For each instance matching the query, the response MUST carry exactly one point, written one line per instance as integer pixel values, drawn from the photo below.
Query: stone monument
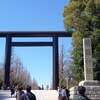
(87, 53)
(92, 86)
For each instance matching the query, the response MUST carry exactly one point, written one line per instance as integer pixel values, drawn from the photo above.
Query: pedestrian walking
(81, 95)
(67, 94)
(12, 90)
(59, 93)
(20, 95)
(30, 95)
(63, 93)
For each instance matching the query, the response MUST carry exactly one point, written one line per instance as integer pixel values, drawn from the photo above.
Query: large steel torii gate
(54, 44)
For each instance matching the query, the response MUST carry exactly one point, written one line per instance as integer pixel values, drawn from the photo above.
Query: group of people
(64, 94)
(21, 95)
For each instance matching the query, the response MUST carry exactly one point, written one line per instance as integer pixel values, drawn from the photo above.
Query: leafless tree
(34, 85)
(65, 72)
(18, 74)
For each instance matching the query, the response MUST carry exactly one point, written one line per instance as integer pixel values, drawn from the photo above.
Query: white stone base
(92, 90)
(89, 83)
(73, 93)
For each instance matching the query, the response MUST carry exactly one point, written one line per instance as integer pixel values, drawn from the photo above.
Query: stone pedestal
(73, 93)
(92, 90)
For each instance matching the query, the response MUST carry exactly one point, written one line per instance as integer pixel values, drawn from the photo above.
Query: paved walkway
(40, 95)
(5, 95)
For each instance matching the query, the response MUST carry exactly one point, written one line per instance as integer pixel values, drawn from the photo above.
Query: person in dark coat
(67, 94)
(81, 91)
(12, 91)
(30, 95)
(20, 95)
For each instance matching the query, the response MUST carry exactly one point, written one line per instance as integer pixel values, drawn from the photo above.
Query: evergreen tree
(83, 16)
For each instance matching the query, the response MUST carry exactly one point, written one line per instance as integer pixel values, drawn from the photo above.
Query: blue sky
(33, 15)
